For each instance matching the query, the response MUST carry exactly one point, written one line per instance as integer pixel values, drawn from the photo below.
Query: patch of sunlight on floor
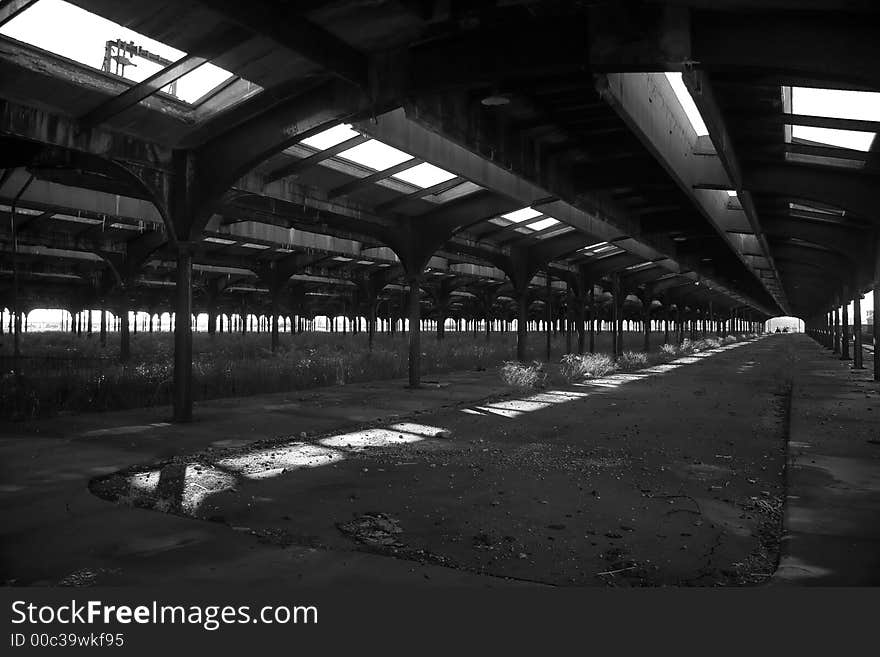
(370, 438)
(498, 411)
(660, 369)
(520, 405)
(144, 482)
(273, 461)
(199, 482)
(418, 429)
(557, 396)
(599, 383)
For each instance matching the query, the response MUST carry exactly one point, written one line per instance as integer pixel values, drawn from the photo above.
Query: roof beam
(288, 27)
(699, 85)
(752, 120)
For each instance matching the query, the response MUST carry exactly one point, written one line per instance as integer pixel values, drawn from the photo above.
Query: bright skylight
(77, 34)
(839, 104)
(544, 223)
(731, 192)
(424, 175)
(522, 215)
(836, 103)
(330, 137)
(687, 104)
(852, 139)
(375, 155)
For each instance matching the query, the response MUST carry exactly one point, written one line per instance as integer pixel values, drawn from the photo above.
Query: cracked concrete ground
(671, 476)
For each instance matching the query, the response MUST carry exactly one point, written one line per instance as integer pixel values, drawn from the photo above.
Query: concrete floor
(670, 476)
(833, 511)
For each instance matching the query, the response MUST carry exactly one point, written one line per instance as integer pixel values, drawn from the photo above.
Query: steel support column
(415, 320)
(522, 320)
(183, 398)
(857, 331)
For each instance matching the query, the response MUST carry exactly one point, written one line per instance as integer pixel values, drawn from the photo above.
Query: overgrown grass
(577, 367)
(525, 376)
(632, 360)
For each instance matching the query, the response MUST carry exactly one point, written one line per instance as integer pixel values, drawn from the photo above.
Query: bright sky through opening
(523, 214)
(838, 104)
(375, 155)
(687, 103)
(71, 32)
(330, 137)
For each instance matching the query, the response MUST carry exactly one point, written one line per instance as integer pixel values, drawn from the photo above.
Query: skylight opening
(424, 175)
(687, 104)
(523, 214)
(218, 240)
(69, 31)
(375, 155)
(342, 259)
(259, 247)
(851, 139)
(543, 223)
(837, 104)
(731, 192)
(331, 137)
